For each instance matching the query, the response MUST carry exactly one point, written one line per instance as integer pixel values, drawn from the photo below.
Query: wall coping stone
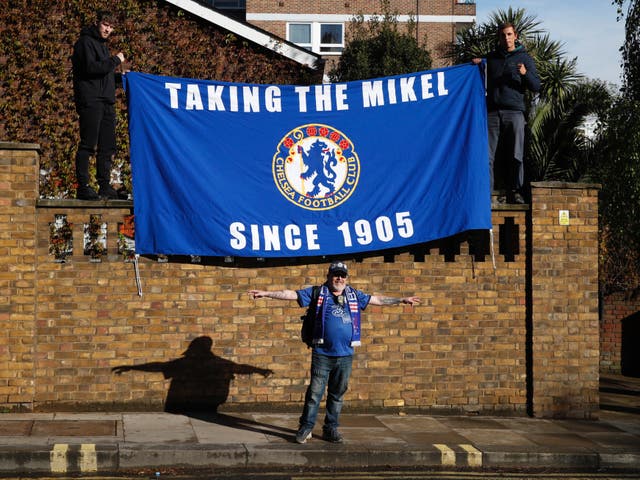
(573, 185)
(19, 146)
(74, 203)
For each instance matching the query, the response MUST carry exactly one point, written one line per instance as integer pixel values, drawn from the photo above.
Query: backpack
(308, 319)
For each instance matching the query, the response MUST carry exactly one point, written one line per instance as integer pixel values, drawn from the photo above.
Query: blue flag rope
(229, 169)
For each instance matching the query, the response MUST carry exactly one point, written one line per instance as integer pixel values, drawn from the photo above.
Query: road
(351, 475)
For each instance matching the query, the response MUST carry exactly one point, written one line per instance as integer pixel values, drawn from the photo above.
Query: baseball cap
(338, 267)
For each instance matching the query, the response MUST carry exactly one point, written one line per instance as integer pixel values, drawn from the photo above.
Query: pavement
(88, 444)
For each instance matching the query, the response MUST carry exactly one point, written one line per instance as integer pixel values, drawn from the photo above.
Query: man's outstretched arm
(277, 294)
(384, 300)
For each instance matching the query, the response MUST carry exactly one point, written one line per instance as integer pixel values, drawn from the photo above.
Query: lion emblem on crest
(316, 167)
(320, 162)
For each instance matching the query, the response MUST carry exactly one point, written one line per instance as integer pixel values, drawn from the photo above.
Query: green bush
(378, 48)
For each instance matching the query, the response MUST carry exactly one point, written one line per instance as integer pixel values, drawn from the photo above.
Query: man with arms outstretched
(336, 331)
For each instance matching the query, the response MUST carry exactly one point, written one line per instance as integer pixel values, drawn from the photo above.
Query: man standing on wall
(94, 89)
(510, 73)
(336, 331)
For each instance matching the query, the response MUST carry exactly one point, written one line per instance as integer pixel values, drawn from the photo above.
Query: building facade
(323, 27)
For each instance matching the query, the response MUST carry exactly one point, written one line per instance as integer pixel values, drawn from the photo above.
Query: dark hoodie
(93, 69)
(505, 86)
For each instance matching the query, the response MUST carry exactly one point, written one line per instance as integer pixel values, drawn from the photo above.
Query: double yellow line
(448, 455)
(87, 460)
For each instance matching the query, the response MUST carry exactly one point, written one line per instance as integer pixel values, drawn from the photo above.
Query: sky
(587, 28)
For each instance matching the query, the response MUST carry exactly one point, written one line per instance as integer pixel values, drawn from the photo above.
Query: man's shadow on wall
(200, 383)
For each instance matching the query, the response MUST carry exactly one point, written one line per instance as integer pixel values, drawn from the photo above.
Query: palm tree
(558, 148)
(478, 40)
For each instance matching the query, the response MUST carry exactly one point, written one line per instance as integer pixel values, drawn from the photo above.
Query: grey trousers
(506, 127)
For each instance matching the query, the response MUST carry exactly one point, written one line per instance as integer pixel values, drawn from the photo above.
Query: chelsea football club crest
(316, 167)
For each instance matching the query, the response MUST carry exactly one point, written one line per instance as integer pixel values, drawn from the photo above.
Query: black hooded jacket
(94, 79)
(505, 86)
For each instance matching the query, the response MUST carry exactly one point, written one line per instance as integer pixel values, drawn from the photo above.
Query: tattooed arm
(383, 300)
(277, 294)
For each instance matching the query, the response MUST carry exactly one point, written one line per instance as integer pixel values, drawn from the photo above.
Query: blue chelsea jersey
(337, 322)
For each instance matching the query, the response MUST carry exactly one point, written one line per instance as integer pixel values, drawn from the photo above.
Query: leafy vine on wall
(95, 238)
(60, 238)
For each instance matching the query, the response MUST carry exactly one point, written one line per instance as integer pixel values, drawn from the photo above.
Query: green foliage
(477, 41)
(558, 149)
(618, 170)
(36, 92)
(631, 48)
(616, 165)
(377, 48)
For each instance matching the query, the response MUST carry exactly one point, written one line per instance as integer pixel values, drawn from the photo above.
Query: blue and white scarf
(354, 311)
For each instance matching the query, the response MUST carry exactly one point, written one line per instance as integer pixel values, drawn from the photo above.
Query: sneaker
(108, 193)
(332, 435)
(87, 193)
(303, 434)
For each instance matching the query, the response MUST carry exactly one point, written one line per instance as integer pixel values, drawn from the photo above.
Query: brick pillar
(564, 330)
(18, 193)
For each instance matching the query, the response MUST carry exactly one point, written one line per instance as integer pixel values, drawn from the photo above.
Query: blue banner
(227, 169)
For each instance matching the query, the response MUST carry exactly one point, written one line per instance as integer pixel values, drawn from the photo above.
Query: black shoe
(123, 194)
(108, 193)
(517, 198)
(86, 193)
(332, 435)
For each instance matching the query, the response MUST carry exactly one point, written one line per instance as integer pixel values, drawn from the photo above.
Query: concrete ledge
(555, 460)
(622, 461)
(572, 185)
(19, 146)
(24, 459)
(73, 203)
(121, 458)
(192, 455)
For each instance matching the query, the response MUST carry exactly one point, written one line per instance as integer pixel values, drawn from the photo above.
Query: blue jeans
(326, 372)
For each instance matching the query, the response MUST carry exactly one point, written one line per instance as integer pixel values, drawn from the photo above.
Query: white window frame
(316, 44)
(308, 46)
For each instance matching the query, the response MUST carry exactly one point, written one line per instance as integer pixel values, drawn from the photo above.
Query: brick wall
(621, 314)
(467, 348)
(402, 7)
